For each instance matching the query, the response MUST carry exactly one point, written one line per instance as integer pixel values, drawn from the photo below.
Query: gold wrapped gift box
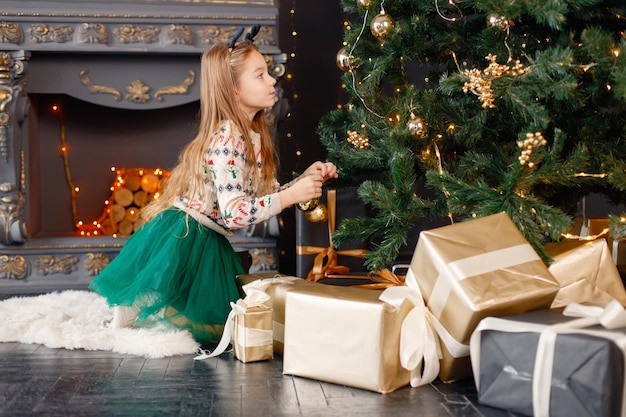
(276, 287)
(252, 335)
(585, 272)
(475, 269)
(249, 328)
(345, 336)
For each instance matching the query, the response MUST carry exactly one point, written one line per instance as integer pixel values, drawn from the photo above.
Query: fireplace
(90, 86)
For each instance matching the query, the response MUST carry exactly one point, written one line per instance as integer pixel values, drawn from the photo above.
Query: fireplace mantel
(120, 54)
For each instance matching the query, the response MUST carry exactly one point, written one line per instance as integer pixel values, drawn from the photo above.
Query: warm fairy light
(584, 174)
(76, 189)
(298, 153)
(63, 149)
(106, 224)
(572, 236)
(616, 52)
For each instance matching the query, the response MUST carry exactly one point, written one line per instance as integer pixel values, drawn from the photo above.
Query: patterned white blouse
(230, 197)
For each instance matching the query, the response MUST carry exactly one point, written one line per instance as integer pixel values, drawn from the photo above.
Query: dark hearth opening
(97, 139)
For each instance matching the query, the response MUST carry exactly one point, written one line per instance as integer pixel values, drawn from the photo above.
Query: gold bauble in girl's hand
(318, 215)
(417, 126)
(381, 25)
(308, 205)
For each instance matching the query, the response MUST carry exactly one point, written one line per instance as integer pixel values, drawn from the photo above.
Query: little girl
(179, 266)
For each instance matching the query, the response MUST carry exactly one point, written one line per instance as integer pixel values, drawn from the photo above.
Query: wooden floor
(39, 381)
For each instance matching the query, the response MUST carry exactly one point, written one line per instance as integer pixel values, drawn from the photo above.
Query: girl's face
(255, 87)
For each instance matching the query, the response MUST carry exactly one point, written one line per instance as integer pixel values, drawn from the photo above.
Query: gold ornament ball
(309, 205)
(417, 126)
(318, 215)
(364, 3)
(344, 60)
(381, 25)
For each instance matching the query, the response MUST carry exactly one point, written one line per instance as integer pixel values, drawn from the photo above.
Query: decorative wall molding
(134, 25)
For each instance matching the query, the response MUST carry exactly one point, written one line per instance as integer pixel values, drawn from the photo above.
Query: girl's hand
(306, 188)
(327, 170)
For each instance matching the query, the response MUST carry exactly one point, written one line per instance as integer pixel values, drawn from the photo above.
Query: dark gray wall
(317, 82)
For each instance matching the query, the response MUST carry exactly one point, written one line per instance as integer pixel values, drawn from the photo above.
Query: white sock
(123, 316)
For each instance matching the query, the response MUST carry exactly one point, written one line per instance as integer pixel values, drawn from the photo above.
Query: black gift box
(587, 371)
(315, 237)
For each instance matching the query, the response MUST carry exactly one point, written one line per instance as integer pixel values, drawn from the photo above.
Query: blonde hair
(219, 74)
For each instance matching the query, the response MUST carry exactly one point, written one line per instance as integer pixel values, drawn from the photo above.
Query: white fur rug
(78, 320)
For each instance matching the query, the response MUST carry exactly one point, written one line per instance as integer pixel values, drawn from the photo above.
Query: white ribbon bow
(418, 342)
(254, 298)
(454, 347)
(263, 284)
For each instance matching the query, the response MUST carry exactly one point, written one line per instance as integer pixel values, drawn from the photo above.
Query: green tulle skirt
(177, 271)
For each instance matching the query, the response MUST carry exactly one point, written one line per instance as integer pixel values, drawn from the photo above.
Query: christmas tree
(464, 108)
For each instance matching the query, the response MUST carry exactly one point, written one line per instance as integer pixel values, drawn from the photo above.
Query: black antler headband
(254, 30)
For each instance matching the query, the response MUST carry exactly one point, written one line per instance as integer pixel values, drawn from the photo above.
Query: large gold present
(369, 339)
(585, 272)
(276, 287)
(475, 269)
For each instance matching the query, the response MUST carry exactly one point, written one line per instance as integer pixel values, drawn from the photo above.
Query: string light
(66, 165)
(141, 186)
(584, 174)
(352, 73)
(572, 236)
(450, 3)
(292, 55)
